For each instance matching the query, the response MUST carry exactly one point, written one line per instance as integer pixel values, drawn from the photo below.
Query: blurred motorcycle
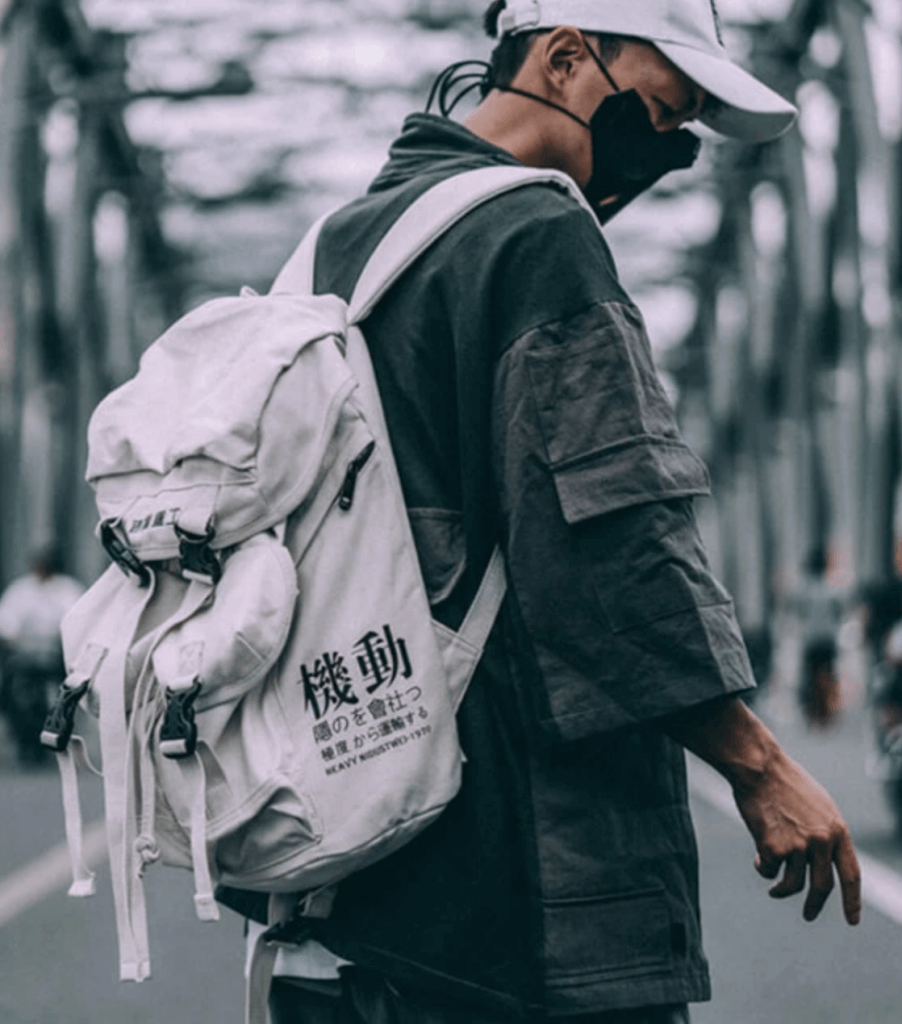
(886, 702)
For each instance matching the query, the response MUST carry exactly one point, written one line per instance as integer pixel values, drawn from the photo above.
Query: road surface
(58, 955)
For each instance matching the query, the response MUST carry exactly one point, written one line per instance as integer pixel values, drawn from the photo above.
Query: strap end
(83, 887)
(206, 908)
(138, 970)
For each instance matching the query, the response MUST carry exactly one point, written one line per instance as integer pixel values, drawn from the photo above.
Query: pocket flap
(232, 643)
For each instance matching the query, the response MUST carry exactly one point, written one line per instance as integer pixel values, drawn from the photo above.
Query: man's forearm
(792, 819)
(729, 736)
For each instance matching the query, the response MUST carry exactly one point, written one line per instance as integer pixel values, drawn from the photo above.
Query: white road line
(881, 886)
(47, 874)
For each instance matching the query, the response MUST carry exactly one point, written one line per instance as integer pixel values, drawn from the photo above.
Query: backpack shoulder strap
(296, 275)
(430, 216)
(421, 224)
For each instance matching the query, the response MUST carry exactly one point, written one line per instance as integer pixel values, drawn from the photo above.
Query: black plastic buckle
(60, 721)
(314, 905)
(123, 555)
(294, 931)
(197, 559)
(178, 733)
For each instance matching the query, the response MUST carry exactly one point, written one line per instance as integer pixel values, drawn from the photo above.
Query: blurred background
(155, 153)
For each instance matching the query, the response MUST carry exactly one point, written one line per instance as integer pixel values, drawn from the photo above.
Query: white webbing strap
(480, 617)
(263, 960)
(134, 965)
(69, 760)
(191, 766)
(424, 221)
(141, 850)
(143, 846)
(296, 276)
(427, 219)
(462, 651)
(192, 769)
(74, 755)
(259, 980)
(142, 715)
(421, 224)
(120, 749)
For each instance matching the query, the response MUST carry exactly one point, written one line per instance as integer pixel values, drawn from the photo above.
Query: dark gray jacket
(523, 407)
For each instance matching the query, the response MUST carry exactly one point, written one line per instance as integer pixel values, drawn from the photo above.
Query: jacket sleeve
(611, 583)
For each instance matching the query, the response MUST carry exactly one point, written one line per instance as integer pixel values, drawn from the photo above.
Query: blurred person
(31, 610)
(522, 403)
(820, 608)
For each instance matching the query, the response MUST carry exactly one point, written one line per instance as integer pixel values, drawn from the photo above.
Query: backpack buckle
(60, 721)
(197, 560)
(294, 931)
(178, 733)
(122, 554)
(316, 904)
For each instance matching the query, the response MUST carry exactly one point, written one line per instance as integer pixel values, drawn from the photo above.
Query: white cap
(685, 31)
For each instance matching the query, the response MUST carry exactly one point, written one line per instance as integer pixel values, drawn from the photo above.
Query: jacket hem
(435, 982)
(602, 996)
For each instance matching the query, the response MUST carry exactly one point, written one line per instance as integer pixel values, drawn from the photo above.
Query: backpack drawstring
(115, 741)
(129, 778)
(146, 847)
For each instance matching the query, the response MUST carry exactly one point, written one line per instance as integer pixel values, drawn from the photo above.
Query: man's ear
(563, 52)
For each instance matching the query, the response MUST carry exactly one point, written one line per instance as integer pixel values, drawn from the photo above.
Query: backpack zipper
(346, 494)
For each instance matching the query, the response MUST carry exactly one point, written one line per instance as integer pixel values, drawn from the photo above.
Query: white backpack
(276, 703)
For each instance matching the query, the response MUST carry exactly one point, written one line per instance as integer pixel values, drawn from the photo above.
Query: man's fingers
(819, 870)
(849, 879)
(821, 883)
(793, 879)
(768, 867)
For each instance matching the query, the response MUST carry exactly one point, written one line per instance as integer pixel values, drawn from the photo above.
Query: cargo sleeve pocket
(609, 431)
(620, 936)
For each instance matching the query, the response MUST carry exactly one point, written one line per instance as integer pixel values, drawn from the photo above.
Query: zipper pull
(346, 494)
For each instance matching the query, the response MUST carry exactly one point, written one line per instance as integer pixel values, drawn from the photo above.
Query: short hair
(510, 54)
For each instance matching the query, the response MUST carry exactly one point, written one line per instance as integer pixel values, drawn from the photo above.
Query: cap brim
(750, 110)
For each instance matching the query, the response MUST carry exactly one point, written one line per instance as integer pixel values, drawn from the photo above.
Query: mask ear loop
(549, 103)
(541, 99)
(601, 64)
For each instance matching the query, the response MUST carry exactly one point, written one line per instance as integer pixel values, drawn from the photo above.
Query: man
(819, 608)
(31, 610)
(523, 406)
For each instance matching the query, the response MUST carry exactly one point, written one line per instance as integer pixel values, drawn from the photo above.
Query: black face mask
(628, 155)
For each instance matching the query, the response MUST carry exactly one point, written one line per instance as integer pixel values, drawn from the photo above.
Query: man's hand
(793, 820)
(797, 826)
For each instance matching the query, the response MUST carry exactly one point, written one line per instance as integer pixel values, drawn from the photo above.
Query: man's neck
(508, 121)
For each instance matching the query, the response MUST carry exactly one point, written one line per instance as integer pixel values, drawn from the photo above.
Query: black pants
(362, 997)
(25, 701)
